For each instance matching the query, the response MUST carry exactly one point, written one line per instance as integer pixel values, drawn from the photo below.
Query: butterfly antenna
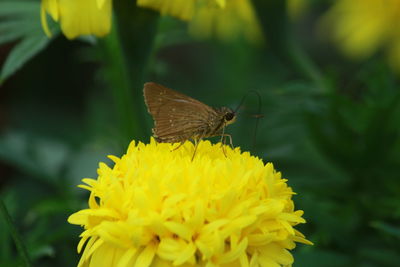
(258, 115)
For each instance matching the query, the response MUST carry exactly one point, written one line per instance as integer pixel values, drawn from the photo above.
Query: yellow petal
(182, 9)
(51, 7)
(128, 258)
(95, 20)
(146, 256)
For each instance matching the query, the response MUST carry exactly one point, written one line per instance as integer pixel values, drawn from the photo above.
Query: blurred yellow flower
(78, 17)
(296, 7)
(157, 207)
(221, 18)
(361, 27)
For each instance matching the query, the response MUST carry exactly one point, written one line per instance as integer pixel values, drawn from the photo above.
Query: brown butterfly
(178, 117)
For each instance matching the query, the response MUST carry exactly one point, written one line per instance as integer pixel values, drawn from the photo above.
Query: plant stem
(14, 233)
(276, 27)
(135, 31)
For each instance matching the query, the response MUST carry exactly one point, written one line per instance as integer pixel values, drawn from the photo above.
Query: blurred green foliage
(332, 127)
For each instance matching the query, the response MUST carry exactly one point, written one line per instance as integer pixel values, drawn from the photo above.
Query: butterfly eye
(229, 116)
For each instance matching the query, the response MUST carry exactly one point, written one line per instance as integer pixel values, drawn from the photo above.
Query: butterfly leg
(181, 143)
(223, 142)
(230, 139)
(223, 139)
(196, 144)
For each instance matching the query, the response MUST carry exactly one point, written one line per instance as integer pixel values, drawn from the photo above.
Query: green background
(330, 125)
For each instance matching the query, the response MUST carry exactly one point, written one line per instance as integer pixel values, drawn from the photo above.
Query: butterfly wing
(177, 117)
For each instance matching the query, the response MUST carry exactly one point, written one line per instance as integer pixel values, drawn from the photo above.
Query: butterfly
(178, 117)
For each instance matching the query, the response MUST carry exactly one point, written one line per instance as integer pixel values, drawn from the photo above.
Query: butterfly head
(229, 115)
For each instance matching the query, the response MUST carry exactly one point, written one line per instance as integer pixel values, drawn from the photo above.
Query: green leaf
(9, 34)
(20, 21)
(21, 53)
(387, 228)
(19, 8)
(41, 158)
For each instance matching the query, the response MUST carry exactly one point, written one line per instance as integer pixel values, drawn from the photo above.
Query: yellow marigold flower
(224, 19)
(157, 207)
(78, 17)
(360, 27)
